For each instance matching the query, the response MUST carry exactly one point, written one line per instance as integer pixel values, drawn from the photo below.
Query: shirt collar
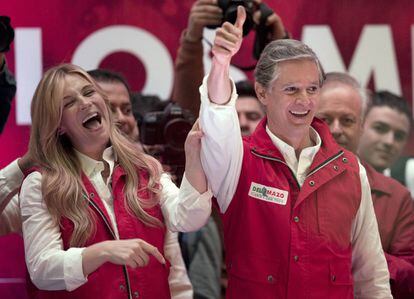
(288, 151)
(90, 166)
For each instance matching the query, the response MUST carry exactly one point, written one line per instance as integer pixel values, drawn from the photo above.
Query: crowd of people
(286, 191)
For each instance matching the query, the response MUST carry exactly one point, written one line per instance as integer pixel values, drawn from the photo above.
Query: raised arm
(221, 145)
(226, 44)
(189, 67)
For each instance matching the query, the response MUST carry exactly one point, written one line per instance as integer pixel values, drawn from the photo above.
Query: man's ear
(261, 93)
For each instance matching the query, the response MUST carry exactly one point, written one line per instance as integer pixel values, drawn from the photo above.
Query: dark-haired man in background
(386, 132)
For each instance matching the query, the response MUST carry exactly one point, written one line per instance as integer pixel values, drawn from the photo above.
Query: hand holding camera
(213, 13)
(204, 13)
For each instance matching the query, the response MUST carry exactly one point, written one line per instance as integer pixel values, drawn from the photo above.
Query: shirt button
(295, 258)
(311, 183)
(136, 294)
(296, 219)
(270, 279)
(121, 287)
(345, 160)
(92, 195)
(335, 167)
(333, 277)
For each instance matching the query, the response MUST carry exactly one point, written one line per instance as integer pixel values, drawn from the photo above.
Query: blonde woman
(95, 210)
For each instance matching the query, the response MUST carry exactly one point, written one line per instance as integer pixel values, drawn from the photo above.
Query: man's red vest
(112, 281)
(287, 241)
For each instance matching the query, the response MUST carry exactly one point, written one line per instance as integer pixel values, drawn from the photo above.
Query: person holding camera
(297, 213)
(189, 67)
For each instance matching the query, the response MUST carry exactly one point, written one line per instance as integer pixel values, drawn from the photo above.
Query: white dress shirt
(222, 156)
(52, 268)
(10, 179)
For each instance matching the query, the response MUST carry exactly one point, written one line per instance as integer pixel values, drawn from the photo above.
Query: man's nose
(336, 127)
(118, 116)
(388, 138)
(303, 97)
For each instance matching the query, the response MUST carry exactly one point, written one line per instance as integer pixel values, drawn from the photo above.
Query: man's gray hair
(281, 50)
(346, 79)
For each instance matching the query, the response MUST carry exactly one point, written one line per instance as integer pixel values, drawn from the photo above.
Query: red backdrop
(64, 25)
(356, 35)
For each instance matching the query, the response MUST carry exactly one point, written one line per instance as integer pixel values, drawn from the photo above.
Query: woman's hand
(131, 252)
(193, 168)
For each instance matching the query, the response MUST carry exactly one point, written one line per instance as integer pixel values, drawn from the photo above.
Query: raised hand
(273, 22)
(229, 38)
(226, 43)
(193, 141)
(193, 169)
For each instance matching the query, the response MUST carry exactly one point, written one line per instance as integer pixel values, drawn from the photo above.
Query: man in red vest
(297, 212)
(343, 106)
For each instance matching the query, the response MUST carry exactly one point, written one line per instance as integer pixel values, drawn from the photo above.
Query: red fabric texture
(301, 249)
(110, 281)
(394, 209)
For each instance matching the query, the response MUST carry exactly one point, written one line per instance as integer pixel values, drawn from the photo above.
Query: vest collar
(261, 143)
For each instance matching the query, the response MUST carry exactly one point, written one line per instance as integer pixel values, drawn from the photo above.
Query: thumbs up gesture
(229, 38)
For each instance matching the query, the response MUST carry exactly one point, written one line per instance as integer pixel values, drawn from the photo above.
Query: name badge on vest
(269, 194)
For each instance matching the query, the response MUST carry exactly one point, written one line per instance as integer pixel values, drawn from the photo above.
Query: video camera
(164, 131)
(169, 127)
(6, 34)
(229, 8)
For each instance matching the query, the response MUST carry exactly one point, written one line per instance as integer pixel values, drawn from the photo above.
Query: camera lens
(175, 133)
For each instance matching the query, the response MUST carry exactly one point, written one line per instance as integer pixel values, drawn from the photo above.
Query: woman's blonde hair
(62, 187)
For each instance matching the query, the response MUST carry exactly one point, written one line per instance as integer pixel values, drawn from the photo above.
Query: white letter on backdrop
(28, 68)
(374, 54)
(138, 42)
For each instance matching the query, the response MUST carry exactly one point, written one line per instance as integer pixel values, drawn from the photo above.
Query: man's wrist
(191, 38)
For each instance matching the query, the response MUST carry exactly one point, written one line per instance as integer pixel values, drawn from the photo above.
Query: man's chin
(381, 164)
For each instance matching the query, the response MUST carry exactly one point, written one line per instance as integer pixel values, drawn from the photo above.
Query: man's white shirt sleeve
(221, 146)
(369, 267)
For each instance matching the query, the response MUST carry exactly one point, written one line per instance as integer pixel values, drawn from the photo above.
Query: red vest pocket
(340, 272)
(254, 268)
